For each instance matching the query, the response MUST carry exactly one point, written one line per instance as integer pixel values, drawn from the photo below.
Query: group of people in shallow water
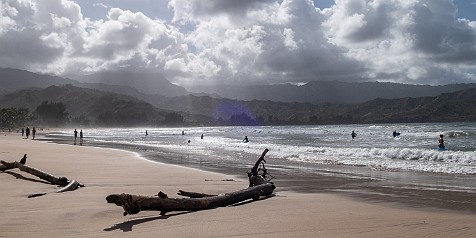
(245, 140)
(441, 142)
(26, 132)
(76, 136)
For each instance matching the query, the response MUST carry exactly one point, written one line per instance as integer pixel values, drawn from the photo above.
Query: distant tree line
(173, 118)
(244, 119)
(14, 117)
(55, 114)
(52, 113)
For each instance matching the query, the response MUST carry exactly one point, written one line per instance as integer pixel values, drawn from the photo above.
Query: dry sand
(85, 213)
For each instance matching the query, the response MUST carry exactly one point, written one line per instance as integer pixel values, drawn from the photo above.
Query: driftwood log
(60, 181)
(254, 176)
(133, 204)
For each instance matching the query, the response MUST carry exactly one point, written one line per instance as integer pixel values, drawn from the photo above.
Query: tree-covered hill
(99, 107)
(447, 107)
(105, 108)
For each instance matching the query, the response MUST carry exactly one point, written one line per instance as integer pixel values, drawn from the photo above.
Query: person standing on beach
(33, 132)
(353, 135)
(27, 132)
(81, 136)
(22, 131)
(75, 135)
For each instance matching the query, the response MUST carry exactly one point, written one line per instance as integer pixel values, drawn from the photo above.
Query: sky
(214, 42)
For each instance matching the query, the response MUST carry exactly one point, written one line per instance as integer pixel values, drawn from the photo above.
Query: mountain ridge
(205, 110)
(334, 91)
(316, 92)
(144, 82)
(201, 109)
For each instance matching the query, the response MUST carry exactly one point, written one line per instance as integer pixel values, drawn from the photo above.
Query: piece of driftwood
(72, 185)
(259, 186)
(7, 166)
(259, 174)
(61, 181)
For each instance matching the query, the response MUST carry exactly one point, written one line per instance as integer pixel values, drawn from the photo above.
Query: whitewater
(309, 146)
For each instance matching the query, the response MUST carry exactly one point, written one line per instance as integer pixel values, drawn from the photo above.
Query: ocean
(321, 157)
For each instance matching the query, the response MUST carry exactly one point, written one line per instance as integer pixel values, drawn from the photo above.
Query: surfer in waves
(441, 142)
(246, 139)
(395, 134)
(353, 135)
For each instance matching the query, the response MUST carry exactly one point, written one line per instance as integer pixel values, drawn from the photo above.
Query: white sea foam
(374, 147)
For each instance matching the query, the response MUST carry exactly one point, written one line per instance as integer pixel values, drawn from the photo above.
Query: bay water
(318, 157)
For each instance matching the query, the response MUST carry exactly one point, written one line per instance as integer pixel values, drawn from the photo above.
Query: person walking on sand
(75, 135)
(353, 135)
(22, 131)
(27, 132)
(33, 132)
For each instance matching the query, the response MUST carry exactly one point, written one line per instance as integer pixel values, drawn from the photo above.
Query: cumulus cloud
(249, 41)
(197, 10)
(276, 43)
(54, 37)
(22, 42)
(406, 41)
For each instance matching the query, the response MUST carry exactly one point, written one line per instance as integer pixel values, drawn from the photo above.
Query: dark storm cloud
(443, 38)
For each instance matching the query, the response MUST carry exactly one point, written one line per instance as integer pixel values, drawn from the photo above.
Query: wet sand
(85, 213)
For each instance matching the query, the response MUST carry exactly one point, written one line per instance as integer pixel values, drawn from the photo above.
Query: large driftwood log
(259, 186)
(61, 181)
(133, 204)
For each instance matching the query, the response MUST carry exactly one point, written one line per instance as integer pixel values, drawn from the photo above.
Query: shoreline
(366, 185)
(85, 213)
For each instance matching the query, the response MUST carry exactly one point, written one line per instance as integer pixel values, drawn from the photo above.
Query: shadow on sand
(127, 225)
(19, 176)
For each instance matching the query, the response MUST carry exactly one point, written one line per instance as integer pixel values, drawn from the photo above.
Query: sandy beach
(85, 213)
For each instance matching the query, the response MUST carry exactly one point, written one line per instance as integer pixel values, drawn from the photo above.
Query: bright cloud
(249, 41)
(406, 41)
